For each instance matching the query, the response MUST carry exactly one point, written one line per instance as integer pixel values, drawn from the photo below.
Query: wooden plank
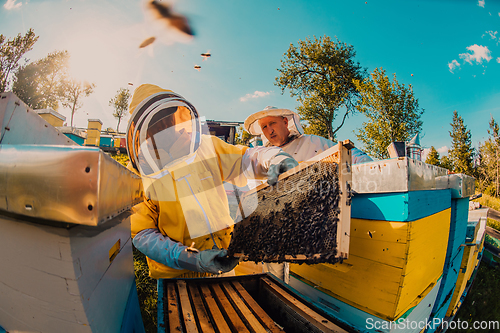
(203, 317)
(245, 311)
(255, 307)
(187, 311)
(173, 310)
(312, 316)
(233, 317)
(218, 318)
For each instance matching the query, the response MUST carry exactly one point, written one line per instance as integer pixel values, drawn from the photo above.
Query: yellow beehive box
(384, 274)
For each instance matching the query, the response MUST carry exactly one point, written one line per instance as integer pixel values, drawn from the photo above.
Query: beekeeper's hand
(207, 261)
(280, 163)
(162, 249)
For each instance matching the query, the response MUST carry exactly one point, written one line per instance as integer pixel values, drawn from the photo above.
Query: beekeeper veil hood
(252, 122)
(164, 128)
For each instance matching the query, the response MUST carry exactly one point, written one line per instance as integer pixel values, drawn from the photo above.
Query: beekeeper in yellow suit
(183, 226)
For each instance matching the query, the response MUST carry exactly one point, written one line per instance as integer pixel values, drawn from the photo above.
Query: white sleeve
(256, 161)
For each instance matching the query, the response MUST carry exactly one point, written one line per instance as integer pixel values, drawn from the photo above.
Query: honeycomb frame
(289, 224)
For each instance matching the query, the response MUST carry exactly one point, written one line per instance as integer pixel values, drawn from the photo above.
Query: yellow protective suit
(184, 195)
(198, 187)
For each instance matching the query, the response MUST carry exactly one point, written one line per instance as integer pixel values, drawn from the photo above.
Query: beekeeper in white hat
(281, 128)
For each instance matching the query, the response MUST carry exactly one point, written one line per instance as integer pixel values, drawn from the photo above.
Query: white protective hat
(252, 125)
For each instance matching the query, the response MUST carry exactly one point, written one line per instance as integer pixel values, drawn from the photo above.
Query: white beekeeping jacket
(303, 146)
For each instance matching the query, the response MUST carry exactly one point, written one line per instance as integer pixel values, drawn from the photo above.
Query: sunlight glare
(91, 58)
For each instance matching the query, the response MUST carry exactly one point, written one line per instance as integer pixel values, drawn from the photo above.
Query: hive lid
(71, 184)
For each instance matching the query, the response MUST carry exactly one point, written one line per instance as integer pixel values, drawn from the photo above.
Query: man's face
(275, 129)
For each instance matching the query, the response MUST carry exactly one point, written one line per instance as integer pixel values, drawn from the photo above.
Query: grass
(120, 158)
(483, 300)
(493, 224)
(146, 291)
(489, 201)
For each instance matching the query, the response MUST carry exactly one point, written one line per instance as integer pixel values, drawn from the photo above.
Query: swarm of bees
(163, 15)
(295, 223)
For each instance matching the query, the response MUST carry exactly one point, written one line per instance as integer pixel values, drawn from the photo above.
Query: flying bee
(206, 55)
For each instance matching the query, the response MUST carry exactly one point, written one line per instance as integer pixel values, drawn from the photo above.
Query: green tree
(25, 85)
(488, 168)
(461, 153)
(39, 84)
(316, 128)
(495, 139)
(245, 137)
(433, 157)
(11, 51)
(321, 74)
(446, 163)
(392, 110)
(72, 92)
(120, 104)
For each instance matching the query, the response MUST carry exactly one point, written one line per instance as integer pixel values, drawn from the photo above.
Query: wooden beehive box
(237, 304)
(304, 218)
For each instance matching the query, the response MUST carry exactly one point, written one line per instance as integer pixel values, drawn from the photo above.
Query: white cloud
(480, 3)
(442, 151)
(493, 34)
(498, 60)
(11, 4)
(256, 94)
(425, 153)
(479, 53)
(452, 65)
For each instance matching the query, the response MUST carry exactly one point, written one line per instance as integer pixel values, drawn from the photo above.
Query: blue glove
(208, 261)
(281, 167)
(173, 254)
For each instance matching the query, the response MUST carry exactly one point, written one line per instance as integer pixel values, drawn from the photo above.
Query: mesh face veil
(164, 128)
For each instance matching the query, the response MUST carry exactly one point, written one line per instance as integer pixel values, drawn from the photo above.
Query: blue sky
(449, 51)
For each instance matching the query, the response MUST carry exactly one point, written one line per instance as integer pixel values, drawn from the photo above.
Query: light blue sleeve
(158, 247)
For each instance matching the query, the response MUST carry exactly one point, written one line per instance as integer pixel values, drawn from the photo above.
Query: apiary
(304, 218)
